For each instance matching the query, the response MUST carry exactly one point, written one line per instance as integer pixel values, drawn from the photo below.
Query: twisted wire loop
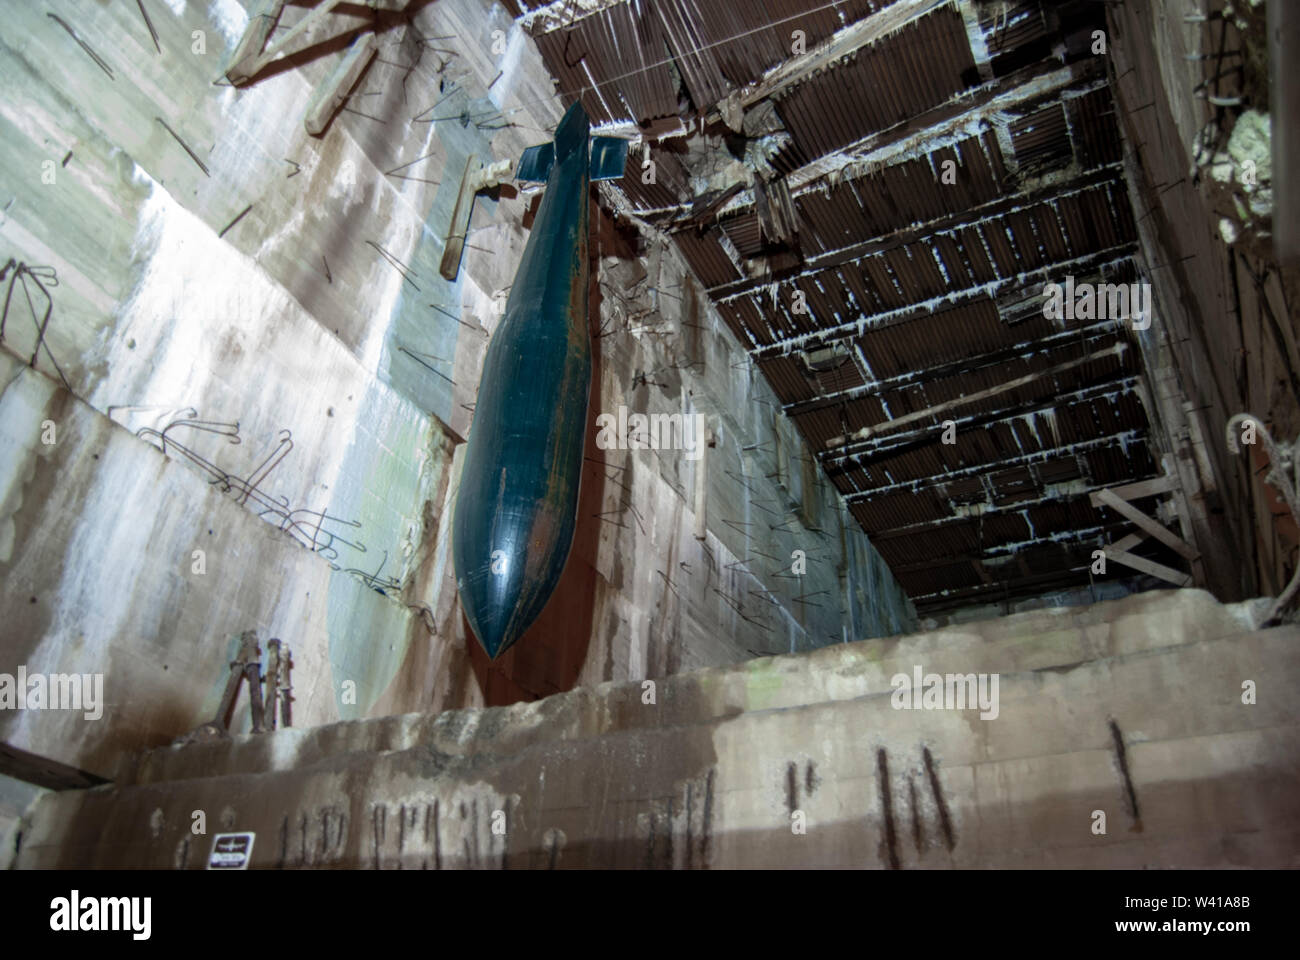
(1282, 475)
(376, 582)
(425, 613)
(44, 278)
(317, 530)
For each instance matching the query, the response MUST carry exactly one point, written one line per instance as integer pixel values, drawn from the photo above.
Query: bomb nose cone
(490, 597)
(492, 626)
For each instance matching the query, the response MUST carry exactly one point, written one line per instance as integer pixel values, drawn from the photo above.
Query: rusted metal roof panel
(707, 258)
(1042, 139)
(721, 46)
(670, 183)
(1010, 25)
(745, 233)
(920, 67)
(1092, 120)
(786, 375)
(940, 337)
(613, 62)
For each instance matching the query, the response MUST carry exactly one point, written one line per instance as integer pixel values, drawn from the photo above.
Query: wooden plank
(459, 229)
(331, 94)
(1204, 467)
(1127, 543)
(241, 71)
(1168, 574)
(44, 772)
(1124, 508)
(701, 498)
(889, 426)
(1283, 44)
(1144, 488)
(254, 38)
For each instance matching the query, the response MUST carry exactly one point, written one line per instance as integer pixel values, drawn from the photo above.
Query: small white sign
(231, 851)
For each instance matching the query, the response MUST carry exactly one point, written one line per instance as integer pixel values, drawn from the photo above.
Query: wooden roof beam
(856, 328)
(873, 451)
(1036, 458)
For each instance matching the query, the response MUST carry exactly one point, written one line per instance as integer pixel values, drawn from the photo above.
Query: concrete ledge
(1035, 641)
(1150, 731)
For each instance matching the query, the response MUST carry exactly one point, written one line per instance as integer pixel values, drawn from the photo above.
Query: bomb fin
(536, 163)
(608, 158)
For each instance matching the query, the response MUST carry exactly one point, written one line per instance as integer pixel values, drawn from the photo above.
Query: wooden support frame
(1145, 488)
(1150, 567)
(1117, 499)
(332, 94)
(1108, 498)
(250, 59)
(250, 44)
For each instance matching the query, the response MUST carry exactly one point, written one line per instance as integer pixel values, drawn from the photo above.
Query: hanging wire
(652, 66)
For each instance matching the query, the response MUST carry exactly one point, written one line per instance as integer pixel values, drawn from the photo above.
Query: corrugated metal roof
(707, 258)
(721, 46)
(927, 265)
(888, 83)
(614, 62)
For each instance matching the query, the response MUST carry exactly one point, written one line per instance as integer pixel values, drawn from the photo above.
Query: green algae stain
(763, 683)
(381, 488)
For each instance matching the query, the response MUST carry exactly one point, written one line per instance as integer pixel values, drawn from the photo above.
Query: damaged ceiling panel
(874, 195)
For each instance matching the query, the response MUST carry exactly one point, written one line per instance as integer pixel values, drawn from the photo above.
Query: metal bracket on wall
(247, 666)
(476, 177)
